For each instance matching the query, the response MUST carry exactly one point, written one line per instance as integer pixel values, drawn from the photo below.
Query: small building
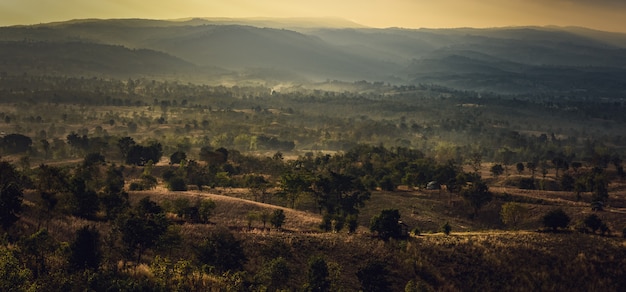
(433, 185)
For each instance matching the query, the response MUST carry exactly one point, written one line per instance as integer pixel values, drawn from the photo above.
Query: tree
(593, 222)
(13, 275)
(278, 218)
(205, 209)
(446, 228)
(141, 228)
(11, 195)
(124, 144)
(84, 202)
(373, 277)
(512, 213)
(520, 167)
(317, 275)
(85, 250)
(141, 155)
(477, 195)
(567, 182)
(274, 274)
(293, 185)
(15, 143)
(496, 170)
(221, 250)
(555, 219)
(532, 166)
(177, 157)
(339, 194)
(387, 224)
(559, 163)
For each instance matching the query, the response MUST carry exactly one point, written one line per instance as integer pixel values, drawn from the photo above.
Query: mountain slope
(510, 60)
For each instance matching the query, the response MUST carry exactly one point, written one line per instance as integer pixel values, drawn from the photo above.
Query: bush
(446, 228)
(593, 222)
(555, 219)
(177, 184)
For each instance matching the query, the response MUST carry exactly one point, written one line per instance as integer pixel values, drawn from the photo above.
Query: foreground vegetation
(146, 185)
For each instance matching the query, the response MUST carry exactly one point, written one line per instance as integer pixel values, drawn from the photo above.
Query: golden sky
(600, 14)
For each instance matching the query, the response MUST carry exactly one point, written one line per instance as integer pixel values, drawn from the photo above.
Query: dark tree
(93, 159)
(317, 275)
(221, 250)
(520, 167)
(141, 228)
(15, 143)
(532, 166)
(10, 195)
(387, 224)
(141, 155)
(124, 144)
(593, 222)
(477, 195)
(10, 204)
(177, 157)
(85, 249)
(84, 202)
(567, 182)
(497, 170)
(555, 219)
(278, 218)
(373, 277)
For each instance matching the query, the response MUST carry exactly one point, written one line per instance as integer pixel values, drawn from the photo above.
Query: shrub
(555, 219)
(446, 228)
(593, 222)
(177, 184)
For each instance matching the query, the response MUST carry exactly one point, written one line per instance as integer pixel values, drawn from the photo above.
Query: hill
(506, 60)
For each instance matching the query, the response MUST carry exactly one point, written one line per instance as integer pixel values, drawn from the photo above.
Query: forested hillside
(504, 60)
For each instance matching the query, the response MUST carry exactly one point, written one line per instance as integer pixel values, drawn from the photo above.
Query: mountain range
(507, 60)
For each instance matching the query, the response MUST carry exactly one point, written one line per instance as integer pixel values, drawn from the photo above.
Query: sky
(606, 15)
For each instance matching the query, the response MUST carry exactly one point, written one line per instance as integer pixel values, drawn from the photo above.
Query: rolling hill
(507, 60)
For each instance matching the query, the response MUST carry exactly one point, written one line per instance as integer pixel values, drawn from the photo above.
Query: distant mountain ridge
(508, 60)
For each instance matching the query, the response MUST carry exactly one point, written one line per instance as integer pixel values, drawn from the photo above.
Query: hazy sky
(600, 14)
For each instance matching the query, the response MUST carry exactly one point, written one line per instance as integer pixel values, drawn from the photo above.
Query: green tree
(387, 224)
(13, 275)
(512, 213)
(293, 185)
(555, 219)
(274, 274)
